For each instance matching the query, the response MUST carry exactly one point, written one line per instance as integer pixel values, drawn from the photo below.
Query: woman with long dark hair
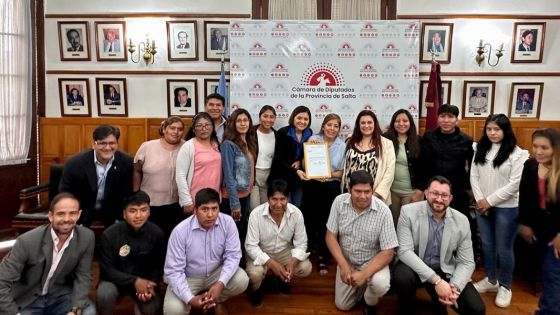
(368, 150)
(539, 212)
(406, 143)
(288, 152)
(266, 140)
(239, 150)
(495, 175)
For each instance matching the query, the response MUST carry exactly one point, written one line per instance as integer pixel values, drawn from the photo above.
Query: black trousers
(167, 217)
(405, 282)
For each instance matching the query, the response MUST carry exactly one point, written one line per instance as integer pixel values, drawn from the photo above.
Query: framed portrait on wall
(217, 40)
(211, 86)
(110, 40)
(74, 97)
(111, 97)
(73, 40)
(528, 42)
(478, 99)
(182, 98)
(445, 93)
(182, 42)
(525, 100)
(437, 39)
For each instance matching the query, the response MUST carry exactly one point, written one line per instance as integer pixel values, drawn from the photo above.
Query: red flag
(433, 96)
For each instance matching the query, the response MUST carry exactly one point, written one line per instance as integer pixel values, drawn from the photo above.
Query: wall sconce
(148, 50)
(482, 49)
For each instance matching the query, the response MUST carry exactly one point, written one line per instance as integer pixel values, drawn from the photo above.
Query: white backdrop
(338, 67)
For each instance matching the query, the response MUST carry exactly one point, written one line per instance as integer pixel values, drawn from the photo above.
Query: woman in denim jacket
(238, 151)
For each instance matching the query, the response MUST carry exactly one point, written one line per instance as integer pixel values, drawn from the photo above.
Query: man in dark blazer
(101, 178)
(49, 267)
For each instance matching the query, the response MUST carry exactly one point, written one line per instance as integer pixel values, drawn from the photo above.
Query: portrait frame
(472, 101)
(173, 108)
(426, 43)
(174, 51)
(536, 48)
(210, 52)
(118, 47)
(446, 96)
(534, 91)
(67, 53)
(69, 108)
(210, 86)
(108, 105)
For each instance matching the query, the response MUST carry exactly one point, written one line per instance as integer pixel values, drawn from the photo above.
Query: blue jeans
(550, 297)
(55, 305)
(497, 233)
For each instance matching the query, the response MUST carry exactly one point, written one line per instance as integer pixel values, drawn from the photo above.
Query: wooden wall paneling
(71, 142)
(136, 136)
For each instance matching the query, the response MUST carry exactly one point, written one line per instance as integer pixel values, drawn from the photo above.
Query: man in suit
(49, 267)
(111, 43)
(524, 104)
(182, 37)
(73, 37)
(527, 41)
(74, 98)
(182, 98)
(435, 251)
(111, 96)
(218, 40)
(101, 178)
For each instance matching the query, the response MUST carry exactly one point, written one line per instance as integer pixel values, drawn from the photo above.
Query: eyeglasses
(104, 144)
(202, 126)
(439, 195)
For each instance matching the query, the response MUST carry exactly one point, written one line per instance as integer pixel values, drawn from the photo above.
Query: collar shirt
(265, 237)
(220, 130)
(101, 171)
(433, 247)
(56, 256)
(194, 252)
(362, 235)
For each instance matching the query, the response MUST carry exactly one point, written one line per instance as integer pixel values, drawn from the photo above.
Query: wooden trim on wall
(495, 74)
(256, 9)
(39, 51)
(136, 72)
(391, 9)
(478, 16)
(147, 15)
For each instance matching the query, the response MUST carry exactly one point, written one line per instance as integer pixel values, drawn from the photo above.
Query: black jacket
(284, 157)
(79, 177)
(448, 155)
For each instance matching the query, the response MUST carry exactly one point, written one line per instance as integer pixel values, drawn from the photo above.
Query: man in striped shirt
(276, 240)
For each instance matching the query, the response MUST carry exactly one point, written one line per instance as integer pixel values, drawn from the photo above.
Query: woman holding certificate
(316, 210)
(288, 152)
(367, 150)
(238, 166)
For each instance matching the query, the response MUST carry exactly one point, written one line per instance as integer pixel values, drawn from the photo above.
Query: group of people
(232, 194)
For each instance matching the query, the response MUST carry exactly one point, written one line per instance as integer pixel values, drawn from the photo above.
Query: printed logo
(236, 50)
(412, 108)
(412, 31)
(346, 51)
(390, 72)
(368, 72)
(411, 72)
(301, 50)
(235, 30)
(322, 74)
(368, 31)
(390, 51)
(324, 51)
(368, 91)
(280, 30)
(236, 71)
(257, 31)
(257, 90)
(390, 91)
(346, 31)
(280, 50)
(237, 90)
(281, 111)
(322, 111)
(279, 90)
(257, 50)
(257, 71)
(324, 31)
(368, 51)
(279, 71)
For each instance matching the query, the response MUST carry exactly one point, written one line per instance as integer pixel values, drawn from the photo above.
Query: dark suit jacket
(221, 44)
(25, 269)
(80, 48)
(116, 99)
(522, 48)
(79, 177)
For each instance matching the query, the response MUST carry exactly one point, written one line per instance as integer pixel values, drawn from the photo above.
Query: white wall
(147, 94)
(521, 7)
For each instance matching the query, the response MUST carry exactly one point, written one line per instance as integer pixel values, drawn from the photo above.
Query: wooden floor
(315, 295)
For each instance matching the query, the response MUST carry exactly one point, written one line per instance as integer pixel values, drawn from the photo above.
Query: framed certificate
(316, 159)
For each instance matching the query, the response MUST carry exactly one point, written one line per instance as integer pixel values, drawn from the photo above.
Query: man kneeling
(276, 240)
(202, 262)
(131, 262)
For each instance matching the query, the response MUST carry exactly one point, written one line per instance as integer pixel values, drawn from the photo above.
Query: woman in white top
(266, 140)
(495, 175)
(154, 172)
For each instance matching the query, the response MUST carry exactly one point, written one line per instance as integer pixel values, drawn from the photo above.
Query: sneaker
(255, 297)
(503, 298)
(283, 287)
(484, 285)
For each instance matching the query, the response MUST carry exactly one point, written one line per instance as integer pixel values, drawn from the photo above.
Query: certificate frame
(316, 160)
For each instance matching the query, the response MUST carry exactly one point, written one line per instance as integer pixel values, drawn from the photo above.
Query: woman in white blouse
(266, 140)
(495, 175)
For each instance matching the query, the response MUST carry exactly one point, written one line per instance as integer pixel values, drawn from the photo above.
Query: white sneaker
(484, 285)
(503, 298)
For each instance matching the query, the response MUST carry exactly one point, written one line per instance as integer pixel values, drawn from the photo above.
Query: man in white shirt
(276, 240)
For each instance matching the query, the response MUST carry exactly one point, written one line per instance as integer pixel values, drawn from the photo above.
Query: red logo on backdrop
(235, 106)
(279, 30)
(279, 71)
(322, 111)
(324, 31)
(368, 72)
(346, 127)
(412, 108)
(390, 91)
(368, 107)
(322, 74)
(236, 30)
(257, 50)
(281, 111)
(411, 72)
(302, 50)
(390, 51)
(368, 31)
(257, 91)
(346, 51)
(412, 31)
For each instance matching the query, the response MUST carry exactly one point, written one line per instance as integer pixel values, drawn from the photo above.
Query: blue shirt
(101, 171)
(433, 247)
(336, 151)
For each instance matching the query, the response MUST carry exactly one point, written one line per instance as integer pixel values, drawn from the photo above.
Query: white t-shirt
(266, 149)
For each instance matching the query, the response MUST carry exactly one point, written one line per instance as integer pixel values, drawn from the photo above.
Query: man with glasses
(202, 262)
(214, 105)
(101, 177)
(435, 252)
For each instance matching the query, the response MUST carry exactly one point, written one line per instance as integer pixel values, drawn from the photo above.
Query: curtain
(15, 81)
(292, 10)
(355, 10)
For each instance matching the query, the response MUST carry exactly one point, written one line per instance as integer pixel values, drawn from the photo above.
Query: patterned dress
(359, 160)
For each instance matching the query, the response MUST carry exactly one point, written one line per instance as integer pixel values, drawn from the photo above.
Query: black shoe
(283, 287)
(369, 310)
(255, 297)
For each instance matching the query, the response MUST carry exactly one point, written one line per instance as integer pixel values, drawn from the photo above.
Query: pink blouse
(207, 168)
